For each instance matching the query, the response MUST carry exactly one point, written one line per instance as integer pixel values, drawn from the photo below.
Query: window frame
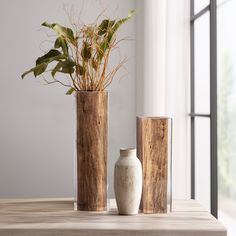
(212, 9)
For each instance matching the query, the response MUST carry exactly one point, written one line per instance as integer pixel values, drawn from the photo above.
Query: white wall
(37, 121)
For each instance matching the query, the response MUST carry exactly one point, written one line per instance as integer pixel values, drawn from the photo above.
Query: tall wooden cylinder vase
(154, 151)
(92, 150)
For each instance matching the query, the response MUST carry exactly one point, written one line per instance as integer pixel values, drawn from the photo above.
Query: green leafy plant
(83, 54)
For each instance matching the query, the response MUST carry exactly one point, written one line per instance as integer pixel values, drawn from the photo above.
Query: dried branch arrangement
(82, 53)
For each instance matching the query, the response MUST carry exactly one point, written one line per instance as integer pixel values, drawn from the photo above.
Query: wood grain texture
(92, 150)
(152, 150)
(48, 217)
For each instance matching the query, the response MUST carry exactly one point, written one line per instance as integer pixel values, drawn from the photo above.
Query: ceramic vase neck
(125, 152)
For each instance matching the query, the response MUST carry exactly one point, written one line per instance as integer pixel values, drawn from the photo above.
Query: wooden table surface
(56, 217)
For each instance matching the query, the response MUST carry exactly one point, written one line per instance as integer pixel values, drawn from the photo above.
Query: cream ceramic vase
(128, 182)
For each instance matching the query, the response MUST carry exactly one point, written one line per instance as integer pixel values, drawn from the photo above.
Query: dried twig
(84, 54)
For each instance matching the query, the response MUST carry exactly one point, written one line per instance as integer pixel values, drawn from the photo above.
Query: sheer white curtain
(162, 75)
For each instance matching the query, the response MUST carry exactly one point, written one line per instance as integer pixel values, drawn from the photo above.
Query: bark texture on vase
(152, 150)
(92, 150)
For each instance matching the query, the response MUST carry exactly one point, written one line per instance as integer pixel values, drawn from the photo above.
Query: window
(203, 111)
(213, 108)
(226, 50)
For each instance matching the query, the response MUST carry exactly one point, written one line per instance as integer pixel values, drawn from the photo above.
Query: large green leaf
(122, 21)
(56, 68)
(118, 24)
(70, 91)
(86, 51)
(37, 70)
(42, 62)
(64, 67)
(105, 25)
(67, 68)
(40, 69)
(61, 43)
(50, 56)
(101, 49)
(65, 32)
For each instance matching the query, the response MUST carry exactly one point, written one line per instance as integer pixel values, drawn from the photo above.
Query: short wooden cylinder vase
(154, 152)
(91, 150)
